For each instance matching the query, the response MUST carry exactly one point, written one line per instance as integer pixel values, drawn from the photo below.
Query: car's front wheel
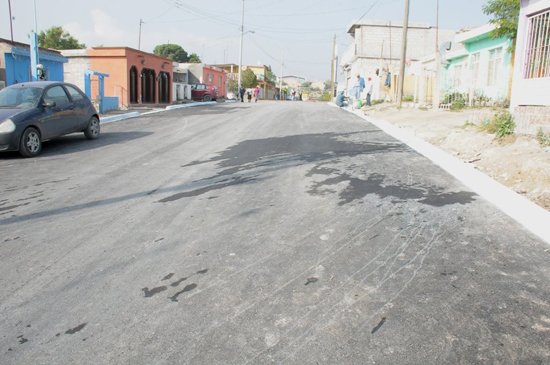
(207, 98)
(92, 130)
(31, 144)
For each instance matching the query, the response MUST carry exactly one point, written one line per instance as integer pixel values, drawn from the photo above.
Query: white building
(531, 68)
(376, 45)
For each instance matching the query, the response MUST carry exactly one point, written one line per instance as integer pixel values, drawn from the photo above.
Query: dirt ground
(517, 161)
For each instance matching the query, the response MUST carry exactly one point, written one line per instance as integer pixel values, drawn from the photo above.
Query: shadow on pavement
(77, 143)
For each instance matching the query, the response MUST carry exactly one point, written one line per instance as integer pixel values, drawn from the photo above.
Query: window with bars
(538, 47)
(495, 61)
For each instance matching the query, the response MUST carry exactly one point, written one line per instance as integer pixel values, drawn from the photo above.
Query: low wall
(529, 119)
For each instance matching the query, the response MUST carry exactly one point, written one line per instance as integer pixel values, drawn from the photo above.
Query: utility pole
(281, 79)
(437, 26)
(435, 97)
(11, 24)
(241, 51)
(34, 48)
(401, 80)
(332, 69)
(139, 43)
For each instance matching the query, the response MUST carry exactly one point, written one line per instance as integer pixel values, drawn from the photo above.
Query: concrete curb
(531, 216)
(116, 118)
(190, 105)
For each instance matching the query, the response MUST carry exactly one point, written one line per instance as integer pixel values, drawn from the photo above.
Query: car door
(81, 108)
(61, 118)
(200, 91)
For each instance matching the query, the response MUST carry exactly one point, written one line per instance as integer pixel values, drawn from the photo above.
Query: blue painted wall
(18, 68)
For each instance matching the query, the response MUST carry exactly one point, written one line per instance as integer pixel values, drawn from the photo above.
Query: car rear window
(56, 94)
(75, 94)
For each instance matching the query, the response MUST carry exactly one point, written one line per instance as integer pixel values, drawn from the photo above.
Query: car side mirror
(48, 105)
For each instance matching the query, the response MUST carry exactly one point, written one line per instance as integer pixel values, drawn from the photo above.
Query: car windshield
(20, 97)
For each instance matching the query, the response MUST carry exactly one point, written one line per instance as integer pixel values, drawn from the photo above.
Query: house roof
(475, 34)
(52, 52)
(129, 49)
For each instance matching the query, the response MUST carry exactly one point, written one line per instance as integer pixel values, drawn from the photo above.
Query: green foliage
(408, 98)
(458, 104)
(543, 138)
(306, 84)
(374, 102)
(269, 75)
(505, 124)
(233, 85)
(505, 14)
(468, 124)
(57, 38)
(502, 124)
(248, 78)
(325, 97)
(315, 89)
(327, 85)
(172, 52)
(423, 108)
(194, 58)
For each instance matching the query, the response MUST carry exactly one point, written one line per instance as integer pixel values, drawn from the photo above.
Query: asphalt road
(257, 233)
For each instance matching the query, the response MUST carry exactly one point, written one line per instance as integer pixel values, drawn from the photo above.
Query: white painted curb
(116, 118)
(531, 216)
(190, 105)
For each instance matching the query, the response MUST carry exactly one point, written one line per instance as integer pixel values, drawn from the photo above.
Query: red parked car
(204, 92)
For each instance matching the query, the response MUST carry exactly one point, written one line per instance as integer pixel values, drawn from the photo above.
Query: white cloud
(105, 31)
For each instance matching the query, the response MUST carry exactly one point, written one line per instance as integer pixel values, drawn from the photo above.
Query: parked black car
(32, 112)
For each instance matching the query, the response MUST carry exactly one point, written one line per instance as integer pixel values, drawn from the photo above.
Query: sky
(302, 30)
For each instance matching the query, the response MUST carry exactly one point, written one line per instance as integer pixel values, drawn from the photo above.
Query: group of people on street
(255, 91)
(360, 91)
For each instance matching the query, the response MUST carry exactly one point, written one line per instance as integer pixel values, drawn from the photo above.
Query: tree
(57, 38)
(172, 52)
(306, 84)
(505, 14)
(248, 78)
(194, 58)
(269, 75)
(327, 85)
(232, 85)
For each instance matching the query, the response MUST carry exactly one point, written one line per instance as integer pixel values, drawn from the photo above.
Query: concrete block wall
(73, 71)
(375, 41)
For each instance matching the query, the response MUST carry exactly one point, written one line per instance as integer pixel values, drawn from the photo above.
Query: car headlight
(7, 126)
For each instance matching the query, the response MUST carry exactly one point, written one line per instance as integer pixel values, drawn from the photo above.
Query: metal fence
(455, 99)
(538, 47)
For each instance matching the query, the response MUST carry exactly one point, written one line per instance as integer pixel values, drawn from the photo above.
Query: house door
(147, 85)
(133, 85)
(164, 88)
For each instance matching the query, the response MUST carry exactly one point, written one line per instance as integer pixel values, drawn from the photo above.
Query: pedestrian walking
(369, 90)
(242, 91)
(256, 94)
(249, 96)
